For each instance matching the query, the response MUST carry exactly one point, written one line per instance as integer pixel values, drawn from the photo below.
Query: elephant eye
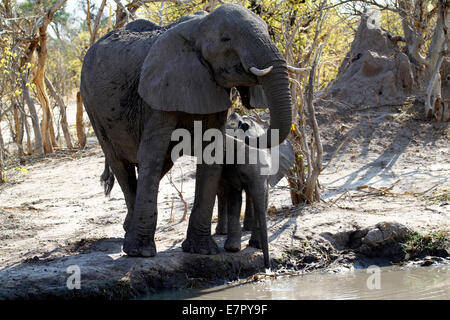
(225, 39)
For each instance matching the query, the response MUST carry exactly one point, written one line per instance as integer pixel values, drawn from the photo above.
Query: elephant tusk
(259, 72)
(298, 70)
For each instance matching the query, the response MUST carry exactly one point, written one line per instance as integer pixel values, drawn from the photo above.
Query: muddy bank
(389, 180)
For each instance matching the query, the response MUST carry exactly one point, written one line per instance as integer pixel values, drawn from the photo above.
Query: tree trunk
(51, 126)
(38, 144)
(435, 58)
(38, 80)
(2, 143)
(18, 124)
(80, 125)
(46, 114)
(48, 136)
(62, 109)
(27, 131)
(2, 156)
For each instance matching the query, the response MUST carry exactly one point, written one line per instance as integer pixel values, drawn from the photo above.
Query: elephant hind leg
(125, 174)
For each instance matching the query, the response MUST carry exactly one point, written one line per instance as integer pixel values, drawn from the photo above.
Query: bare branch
(88, 18)
(51, 12)
(298, 70)
(179, 191)
(21, 18)
(94, 31)
(125, 10)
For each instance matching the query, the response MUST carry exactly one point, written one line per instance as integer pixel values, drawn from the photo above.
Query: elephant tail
(107, 179)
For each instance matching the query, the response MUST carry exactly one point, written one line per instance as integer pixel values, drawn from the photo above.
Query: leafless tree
(303, 176)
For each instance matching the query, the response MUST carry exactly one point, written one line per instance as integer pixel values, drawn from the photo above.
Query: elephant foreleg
(234, 203)
(259, 238)
(198, 239)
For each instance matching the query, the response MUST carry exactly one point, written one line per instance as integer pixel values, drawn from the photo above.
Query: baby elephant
(249, 128)
(254, 179)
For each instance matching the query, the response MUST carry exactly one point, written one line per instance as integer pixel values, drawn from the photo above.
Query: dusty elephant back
(115, 59)
(109, 81)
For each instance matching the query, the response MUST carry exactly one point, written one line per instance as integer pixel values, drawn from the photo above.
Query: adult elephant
(139, 86)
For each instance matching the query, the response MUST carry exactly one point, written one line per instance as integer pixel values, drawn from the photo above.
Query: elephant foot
(254, 243)
(139, 246)
(201, 245)
(232, 245)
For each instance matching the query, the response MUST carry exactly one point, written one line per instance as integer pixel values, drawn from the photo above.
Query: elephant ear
(286, 161)
(174, 76)
(253, 97)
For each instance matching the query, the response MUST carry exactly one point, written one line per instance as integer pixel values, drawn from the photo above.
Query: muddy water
(389, 283)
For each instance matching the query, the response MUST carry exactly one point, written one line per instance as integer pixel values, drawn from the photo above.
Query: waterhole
(431, 282)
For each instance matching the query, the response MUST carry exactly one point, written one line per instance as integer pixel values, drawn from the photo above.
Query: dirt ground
(53, 214)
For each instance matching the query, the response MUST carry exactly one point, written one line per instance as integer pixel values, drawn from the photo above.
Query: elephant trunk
(276, 88)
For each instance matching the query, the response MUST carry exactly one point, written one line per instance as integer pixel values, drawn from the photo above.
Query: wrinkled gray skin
(138, 86)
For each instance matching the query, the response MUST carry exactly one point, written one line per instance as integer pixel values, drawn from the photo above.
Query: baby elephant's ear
(174, 76)
(286, 161)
